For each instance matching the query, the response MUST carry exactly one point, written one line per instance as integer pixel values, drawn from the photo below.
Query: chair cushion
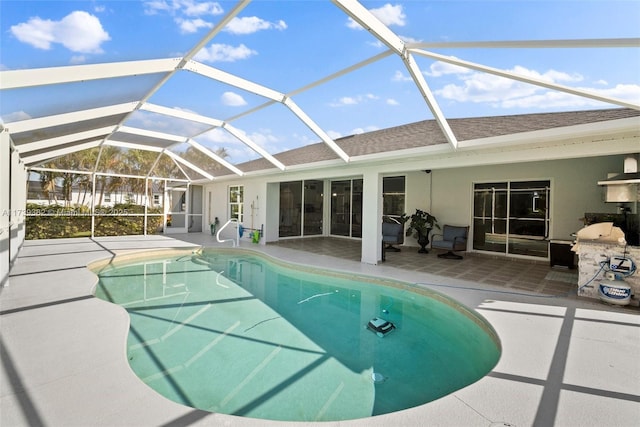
(451, 232)
(453, 238)
(442, 244)
(392, 232)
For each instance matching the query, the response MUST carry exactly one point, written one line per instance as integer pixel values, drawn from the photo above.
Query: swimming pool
(236, 332)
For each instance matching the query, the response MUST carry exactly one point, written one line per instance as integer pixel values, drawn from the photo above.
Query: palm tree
(110, 161)
(48, 185)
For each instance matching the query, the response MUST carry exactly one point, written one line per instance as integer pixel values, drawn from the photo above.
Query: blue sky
(285, 45)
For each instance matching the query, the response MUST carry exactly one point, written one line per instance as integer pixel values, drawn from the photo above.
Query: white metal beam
(60, 152)
(151, 134)
(40, 169)
(418, 79)
(316, 129)
(526, 79)
(179, 166)
(132, 146)
(66, 118)
(362, 16)
(255, 147)
(232, 80)
(66, 139)
(188, 164)
(14, 79)
(181, 114)
(215, 157)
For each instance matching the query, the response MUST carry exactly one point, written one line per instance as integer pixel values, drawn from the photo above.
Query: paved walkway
(565, 361)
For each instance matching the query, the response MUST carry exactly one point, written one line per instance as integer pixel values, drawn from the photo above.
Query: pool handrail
(235, 242)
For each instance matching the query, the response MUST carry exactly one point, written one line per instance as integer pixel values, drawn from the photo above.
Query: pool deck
(566, 361)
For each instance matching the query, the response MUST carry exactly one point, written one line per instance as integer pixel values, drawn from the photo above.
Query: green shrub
(54, 221)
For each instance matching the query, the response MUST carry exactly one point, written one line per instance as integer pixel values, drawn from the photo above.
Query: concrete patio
(565, 361)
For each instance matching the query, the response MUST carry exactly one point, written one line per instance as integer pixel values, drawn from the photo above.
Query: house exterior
(518, 181)
(81, 196)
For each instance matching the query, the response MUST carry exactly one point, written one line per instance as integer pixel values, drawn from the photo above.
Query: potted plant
(420, 225)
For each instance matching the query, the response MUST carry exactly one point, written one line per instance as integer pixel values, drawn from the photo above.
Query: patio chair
(392, 234)
(452, 239)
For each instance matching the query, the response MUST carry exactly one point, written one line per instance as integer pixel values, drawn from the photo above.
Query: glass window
(393, 194)
(236, 202)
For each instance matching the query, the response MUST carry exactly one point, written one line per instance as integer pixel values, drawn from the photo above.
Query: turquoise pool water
(235, 332)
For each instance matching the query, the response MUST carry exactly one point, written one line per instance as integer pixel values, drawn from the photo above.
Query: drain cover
(377, 377)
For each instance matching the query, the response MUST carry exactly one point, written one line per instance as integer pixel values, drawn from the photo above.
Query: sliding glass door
(346, 208)
(512, 217)
(301, 208)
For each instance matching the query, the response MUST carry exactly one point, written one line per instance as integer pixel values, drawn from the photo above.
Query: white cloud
(193, 8)
(388, 14)
(347, 100)
(501, 92)
(16, 116)
(224, 53)
(399, 77)
(265, 139)
(408, 39)
(628, 92)
(555, 99)
(392, 102)
(357, 131)
(78, 59)
(440, 68)
(189, 26)
(252, 24)
(79, 32)
(188, 14)
(376, 43)
(217, 136)
(353, 100)
(549, 76)
(182, 7)
(232, 99)
(156, 6)
(480, 87)
(334, 134)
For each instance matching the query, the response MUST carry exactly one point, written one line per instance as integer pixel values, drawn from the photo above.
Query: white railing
(235, 242)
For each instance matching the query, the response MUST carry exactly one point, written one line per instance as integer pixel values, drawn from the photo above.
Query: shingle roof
(427, 133)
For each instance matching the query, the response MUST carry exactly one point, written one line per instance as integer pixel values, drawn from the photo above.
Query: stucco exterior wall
(446, 193)
(574, 189)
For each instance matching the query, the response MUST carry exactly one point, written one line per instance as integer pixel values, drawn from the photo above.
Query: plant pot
(423, 241)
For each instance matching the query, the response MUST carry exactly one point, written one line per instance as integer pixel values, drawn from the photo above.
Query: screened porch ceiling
(76, 117)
